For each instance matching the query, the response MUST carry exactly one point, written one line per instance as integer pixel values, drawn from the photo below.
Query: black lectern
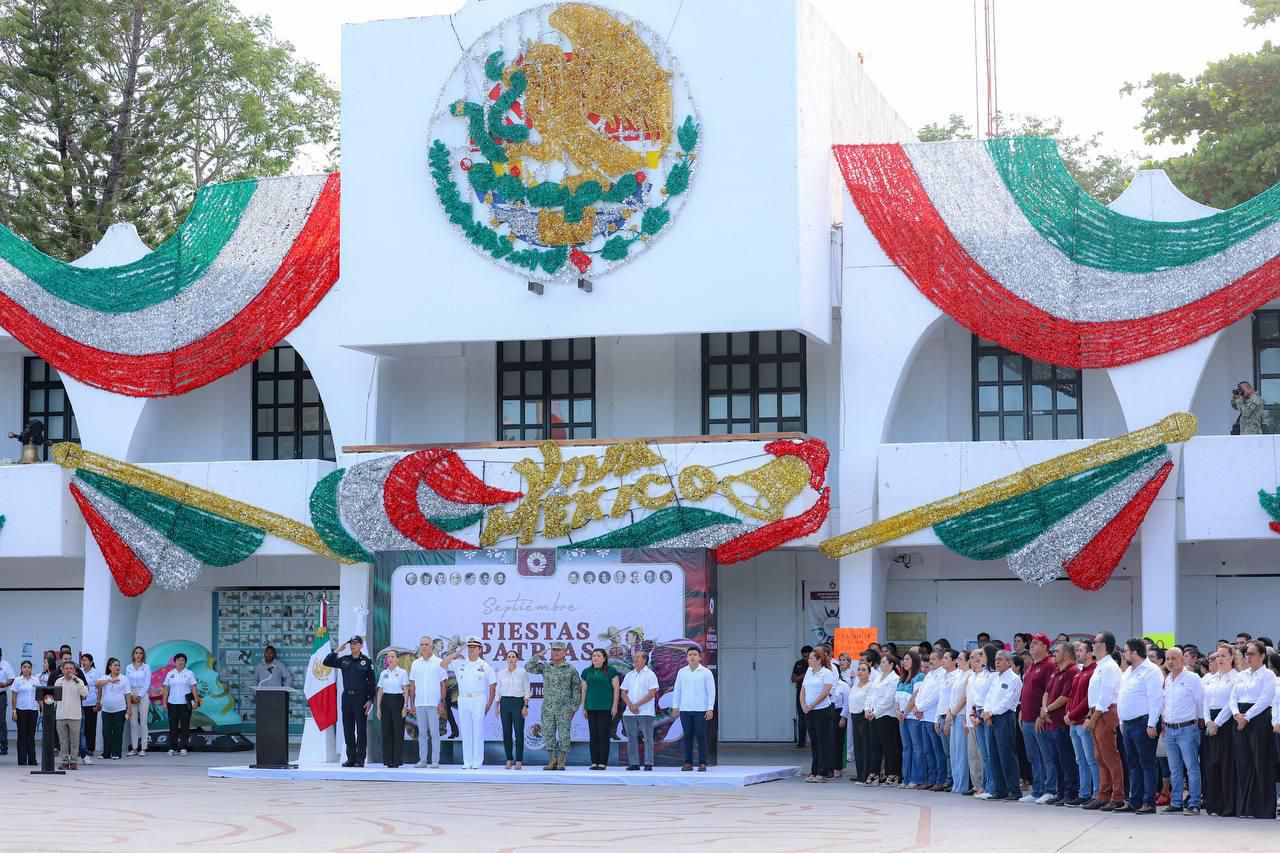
(272, 712)
(48, 717)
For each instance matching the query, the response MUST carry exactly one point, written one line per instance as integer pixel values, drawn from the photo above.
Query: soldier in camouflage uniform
(1250, 405)
(562, 692)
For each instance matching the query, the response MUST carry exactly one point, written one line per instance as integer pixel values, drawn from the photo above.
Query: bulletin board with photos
(247, 620)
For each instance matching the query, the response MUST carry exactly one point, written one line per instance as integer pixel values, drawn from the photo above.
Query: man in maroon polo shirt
(1040, 752)
(1053, 716)
(1081, 737)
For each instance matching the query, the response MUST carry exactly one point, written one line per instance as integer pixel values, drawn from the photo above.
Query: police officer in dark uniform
(358, 689)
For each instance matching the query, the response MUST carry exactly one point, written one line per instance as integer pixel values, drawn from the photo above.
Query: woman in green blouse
(600, 700)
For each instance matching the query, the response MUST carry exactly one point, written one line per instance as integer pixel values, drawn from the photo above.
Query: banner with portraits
(622, 601)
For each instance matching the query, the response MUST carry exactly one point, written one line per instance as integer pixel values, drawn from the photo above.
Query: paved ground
(162, 803)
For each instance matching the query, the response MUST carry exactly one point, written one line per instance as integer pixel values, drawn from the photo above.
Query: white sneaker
(421, 764)
(172, 752)
(88, 759)
(182, 752)
(1029, 798)
(131, 753)
(141, 752)
(983, 796)
(435, 766)
(1044, 798)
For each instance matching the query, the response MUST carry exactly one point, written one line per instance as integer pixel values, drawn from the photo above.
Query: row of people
(1090, 718)
(119, 694)
(394, 694)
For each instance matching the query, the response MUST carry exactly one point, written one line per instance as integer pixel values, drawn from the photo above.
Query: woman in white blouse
(886, 741)
(391, 709)
(138, 675)
(1255, 746)
(952, 718)
(513, 708)
(859, 726)
(113, 688)
(818, 709)
(979, 686)
(1217, 769)
(25, 711)
(839, 725)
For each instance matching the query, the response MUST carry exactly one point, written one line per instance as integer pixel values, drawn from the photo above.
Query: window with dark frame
(1016, 398)
(547, 389)
(754, 382)
(289, 420)
(1266, 367)
(45, 398)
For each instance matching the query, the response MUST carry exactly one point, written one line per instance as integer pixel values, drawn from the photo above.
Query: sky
(1054, 58)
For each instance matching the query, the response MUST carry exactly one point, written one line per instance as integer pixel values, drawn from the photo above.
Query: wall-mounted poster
(659, 600)
(246, 620)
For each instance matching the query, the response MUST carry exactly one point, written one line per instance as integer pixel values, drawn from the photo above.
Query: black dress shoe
(1122, 808)
(349, 763)
(1171, 810)
(1093, 805)
(360, 763)
(633, 766)
(648, 767)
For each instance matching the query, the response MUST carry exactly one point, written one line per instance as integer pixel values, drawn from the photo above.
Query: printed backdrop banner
(822, 614)
(619, 600)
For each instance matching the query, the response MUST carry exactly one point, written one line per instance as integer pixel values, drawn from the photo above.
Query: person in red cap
(1039, 742)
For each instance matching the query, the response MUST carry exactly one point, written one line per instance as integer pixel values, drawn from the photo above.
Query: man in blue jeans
(1183, 702)
(694, 702)
(1139, 706)
(1038, 741)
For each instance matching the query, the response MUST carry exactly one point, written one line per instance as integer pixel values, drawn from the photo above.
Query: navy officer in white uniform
(477, 685)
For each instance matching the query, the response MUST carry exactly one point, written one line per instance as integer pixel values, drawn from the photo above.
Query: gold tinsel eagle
(610, 73)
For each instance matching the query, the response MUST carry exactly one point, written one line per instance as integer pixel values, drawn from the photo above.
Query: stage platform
(715, 777)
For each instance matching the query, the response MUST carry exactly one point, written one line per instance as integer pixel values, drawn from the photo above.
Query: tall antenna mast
(993, 104)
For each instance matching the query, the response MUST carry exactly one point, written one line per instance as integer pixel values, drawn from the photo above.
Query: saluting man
(358, 689)
(562, 693)
(477, 683)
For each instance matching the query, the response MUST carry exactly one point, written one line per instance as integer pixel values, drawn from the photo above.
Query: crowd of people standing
(118, 696)
(1086, 723)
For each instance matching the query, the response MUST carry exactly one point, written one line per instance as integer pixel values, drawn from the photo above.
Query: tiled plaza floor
(162, 803)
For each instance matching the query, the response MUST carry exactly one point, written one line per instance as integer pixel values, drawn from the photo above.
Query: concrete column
(1158, 538)
(355, 583)
(109, 623)
(862, 584)
(884, 321)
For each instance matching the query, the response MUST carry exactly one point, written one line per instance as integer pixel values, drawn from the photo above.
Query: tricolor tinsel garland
(420, 499)
(1044, 558)
(999, 242)
(1177, 427)
(1073, 514)
(1270, 503)
(249, 265)
(150, 527)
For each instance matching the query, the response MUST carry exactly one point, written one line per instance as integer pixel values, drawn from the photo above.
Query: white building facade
(766, 307)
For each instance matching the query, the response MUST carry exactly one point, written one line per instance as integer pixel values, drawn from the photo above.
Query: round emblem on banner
(565, 141)
(411, 579)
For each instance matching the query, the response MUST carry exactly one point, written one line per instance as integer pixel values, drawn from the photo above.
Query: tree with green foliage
(1230, 113)
(118, 110)
(1101, 173)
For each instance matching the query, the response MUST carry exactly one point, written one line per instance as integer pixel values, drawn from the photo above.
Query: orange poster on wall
(854, 641)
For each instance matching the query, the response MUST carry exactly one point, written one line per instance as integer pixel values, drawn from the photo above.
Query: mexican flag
(321, 686)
